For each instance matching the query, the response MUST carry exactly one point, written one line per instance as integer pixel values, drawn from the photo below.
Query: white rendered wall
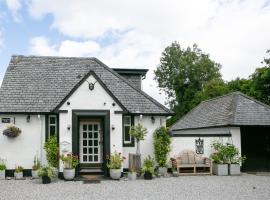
(21, 150)
(188, 143)
(146, 146)
(85, 99)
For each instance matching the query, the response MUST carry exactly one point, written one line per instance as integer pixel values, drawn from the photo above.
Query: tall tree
(182, 73)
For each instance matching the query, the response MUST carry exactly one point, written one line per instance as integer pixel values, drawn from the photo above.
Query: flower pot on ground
(18, 174)
(114, 163)
(220, 169)
(175, 173)
(148, 168)
(2, 169)
(12, 131)
(35, 167)
(162, 142)
(46, 174)
(132, 175)
(234, 169)
(70, 163)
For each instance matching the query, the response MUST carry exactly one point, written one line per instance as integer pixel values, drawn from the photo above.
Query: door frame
(104, 115)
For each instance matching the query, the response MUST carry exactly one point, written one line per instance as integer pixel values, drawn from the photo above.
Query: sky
(133, 34)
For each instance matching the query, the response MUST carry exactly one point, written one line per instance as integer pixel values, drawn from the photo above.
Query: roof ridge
(65, 57)
(138, 90)
(255, 100)
(231, 118)
(218, 97)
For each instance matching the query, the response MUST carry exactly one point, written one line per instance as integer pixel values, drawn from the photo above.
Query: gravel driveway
(184, 187)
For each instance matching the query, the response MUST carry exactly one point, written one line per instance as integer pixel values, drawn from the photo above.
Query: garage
(255, 144)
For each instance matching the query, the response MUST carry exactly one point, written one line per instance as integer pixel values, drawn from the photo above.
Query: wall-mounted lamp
(113, 127)
(28, 118)
(68, 103)
(113, 104)
(153, 119)
(68, 127)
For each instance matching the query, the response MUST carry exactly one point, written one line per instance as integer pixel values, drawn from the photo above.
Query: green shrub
(19, 169)
(162, 146)
(37, 164)
(2, 165)
(70, 161)
(148, 165)
(52, 151)
(46, 171)
(115, 161)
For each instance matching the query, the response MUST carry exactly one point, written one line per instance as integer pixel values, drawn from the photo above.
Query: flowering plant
(2, 164)
(12, 131)
(115, 160)
(70, 161)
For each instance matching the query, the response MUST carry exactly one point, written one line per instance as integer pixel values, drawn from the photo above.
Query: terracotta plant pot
(148, 176)
(69, 174)
(46, 179)
(115, 174)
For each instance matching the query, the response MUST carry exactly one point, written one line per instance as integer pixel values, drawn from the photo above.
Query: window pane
(127, 136)
(95, 127)
(95, 150)
(85, 143)
(85, 150)
(90, 150)
(95, 158)
(84, 135)
(90, 127)
(127, 120)
(85, 158)
(95, 143)
(90, 158)
(90, 142)
(52, 120)
(95, 135)
(84, 127)
(52, 130)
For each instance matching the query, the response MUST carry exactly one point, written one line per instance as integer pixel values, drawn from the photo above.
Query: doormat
(89, 179)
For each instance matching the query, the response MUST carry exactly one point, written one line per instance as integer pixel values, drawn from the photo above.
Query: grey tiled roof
(234, 109)
(40, 83)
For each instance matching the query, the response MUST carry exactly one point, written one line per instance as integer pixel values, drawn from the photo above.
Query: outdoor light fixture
(91, 85)
(28, 118)
(68, 103)
(199, 146)
(113, 127)
(153, 119)
(68, 127)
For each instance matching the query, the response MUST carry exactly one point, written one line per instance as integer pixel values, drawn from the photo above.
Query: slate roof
(38, 84)
(234, 109)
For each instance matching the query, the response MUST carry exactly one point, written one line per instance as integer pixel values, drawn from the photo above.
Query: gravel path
(184, 187)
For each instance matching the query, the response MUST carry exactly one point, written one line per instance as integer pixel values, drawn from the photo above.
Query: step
(91, 171)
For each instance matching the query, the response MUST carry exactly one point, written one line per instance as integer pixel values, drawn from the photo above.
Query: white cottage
(232, 118)
(67, 97)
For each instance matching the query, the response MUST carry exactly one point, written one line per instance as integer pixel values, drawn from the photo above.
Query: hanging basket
(12, 131)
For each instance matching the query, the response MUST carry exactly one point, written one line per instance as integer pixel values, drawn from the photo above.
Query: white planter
(2, 174)
(220, 169)
(234, 169)
(69, 174)
(115, 174)
(55, 172)
(18, 175)
(35, 174)
(132, 176)
(162, 171)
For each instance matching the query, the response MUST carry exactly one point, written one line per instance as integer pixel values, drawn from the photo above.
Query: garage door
(255, 142)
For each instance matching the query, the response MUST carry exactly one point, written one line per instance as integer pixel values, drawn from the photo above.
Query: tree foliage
(182, 73)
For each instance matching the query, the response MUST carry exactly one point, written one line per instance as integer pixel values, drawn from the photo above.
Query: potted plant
(2, 169)
(12, 131)
(132, 174)
(148, 168)
(52, 153)
(220, 167)
(18, 174)
(162, 147)
(70, 163)
(174, 167)
(114, 163)
(234, 159)
(35, 167)
(46, 173)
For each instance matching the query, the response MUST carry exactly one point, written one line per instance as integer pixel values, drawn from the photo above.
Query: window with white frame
(52, 129)
(127, 126)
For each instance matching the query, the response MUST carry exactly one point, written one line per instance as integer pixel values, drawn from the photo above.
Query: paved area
(184, 187)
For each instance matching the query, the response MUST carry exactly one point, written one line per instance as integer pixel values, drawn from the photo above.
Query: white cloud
(235, 33)
(14, 6)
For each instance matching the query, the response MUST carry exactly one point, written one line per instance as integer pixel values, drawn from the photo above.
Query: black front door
(256, 147)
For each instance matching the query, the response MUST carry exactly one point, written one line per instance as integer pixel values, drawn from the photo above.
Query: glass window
(127, 127)
(52, 125)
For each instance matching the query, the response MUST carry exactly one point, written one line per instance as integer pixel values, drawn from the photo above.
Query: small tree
(138, 132)
(162, 142)
(52, 151)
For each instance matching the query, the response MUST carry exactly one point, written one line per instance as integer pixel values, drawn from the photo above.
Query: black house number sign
(5, 120)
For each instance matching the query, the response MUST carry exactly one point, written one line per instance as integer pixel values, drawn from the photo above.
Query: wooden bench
(189, 163)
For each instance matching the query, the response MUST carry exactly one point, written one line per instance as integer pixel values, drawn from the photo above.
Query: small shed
(234, 118)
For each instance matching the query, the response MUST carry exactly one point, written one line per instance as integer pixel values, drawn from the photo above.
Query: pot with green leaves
(70, 162)
(52, 152)
(46, 173)
(220, 167)
(12, 131)
(162, 148)
(148, 168)
(35, 167)
(3, 168)
(18, 174)
(114, 164)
